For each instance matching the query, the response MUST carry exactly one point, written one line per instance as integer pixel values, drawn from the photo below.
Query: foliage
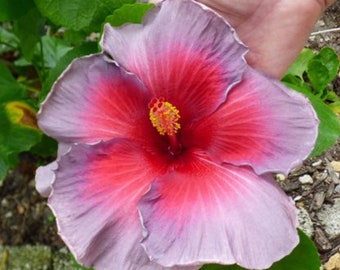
(128, 13)
(37, 42)
(311, 74)
(17, 120)
(40, 38)
(86, 15)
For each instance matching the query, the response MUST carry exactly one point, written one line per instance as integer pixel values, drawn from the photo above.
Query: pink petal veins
(207, 213)
(96, 100)
(94, 199)
(192, 63)
(262, 124)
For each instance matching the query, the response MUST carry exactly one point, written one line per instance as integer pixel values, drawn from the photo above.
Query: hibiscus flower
(167, 145)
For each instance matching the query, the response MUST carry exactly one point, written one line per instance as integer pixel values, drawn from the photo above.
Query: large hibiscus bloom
(167, 145)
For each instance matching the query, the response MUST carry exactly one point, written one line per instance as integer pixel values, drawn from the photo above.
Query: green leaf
(323, 68)
(19, 131)
(105, 8)
(335, 107)
(28, 30)
(3, 168)
(332, 96)
(46, 54)
(53, 50)
(79, 14)
(84, 49)
(132, 13)
(75, 14)
(10, 89)
(330, 60)
(298, 82)
(21, 115)
(9, 41)
(74, 37)
(11, 10)
(329, 127)
(318, 74)
(47, 147)
(300, 64)
(303, 257)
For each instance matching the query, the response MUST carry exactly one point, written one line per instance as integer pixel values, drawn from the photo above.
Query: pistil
(165, 118)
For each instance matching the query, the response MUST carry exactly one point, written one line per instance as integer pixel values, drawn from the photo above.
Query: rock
(320, 23)
(297, 198)
(306, 179)
(321, 241)
(4, 203)
(333, 262)
(318, 200)
(280, 177)
(336, 165)
(305, 222)
(290, 185)
(317, 163)
(329, 216)
(330, 190)
(320, 176)
(334, 176)
(337, 189)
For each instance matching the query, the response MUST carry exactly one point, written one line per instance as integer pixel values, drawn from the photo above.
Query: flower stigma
(165, 118)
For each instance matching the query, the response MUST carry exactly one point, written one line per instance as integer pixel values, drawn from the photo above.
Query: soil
(25, 218)
(330, 20)
(313, 196)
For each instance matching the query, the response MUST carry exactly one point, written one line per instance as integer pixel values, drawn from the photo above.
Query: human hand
(274, 30)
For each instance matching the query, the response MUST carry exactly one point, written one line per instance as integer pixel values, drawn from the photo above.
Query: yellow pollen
(164, 116)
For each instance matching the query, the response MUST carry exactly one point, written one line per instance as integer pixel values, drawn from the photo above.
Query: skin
(274, 30)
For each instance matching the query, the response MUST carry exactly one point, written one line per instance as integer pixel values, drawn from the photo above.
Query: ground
(25, 218)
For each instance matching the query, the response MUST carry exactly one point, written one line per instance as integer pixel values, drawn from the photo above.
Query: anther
(164, 116)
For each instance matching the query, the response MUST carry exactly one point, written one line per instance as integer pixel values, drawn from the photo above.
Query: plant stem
(325, 31)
